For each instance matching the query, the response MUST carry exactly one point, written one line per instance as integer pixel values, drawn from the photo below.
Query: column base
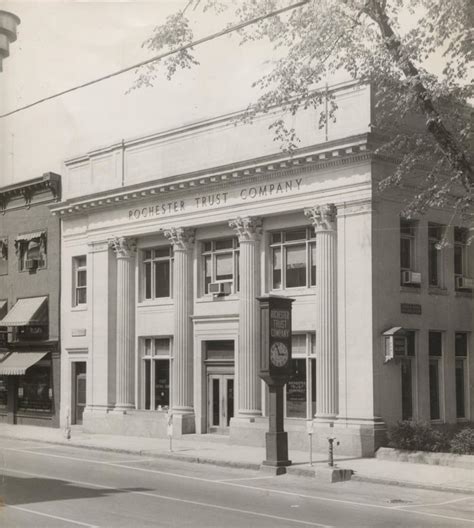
(123, 408)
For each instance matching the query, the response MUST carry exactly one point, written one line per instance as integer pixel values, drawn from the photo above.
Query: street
(45, 485)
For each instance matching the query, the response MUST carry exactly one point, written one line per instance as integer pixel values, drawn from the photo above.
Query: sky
(62, 44)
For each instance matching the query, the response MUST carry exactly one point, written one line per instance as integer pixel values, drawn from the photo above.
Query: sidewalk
(217, 450)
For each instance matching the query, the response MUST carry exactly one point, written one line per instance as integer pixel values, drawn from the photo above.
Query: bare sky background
(62, 44)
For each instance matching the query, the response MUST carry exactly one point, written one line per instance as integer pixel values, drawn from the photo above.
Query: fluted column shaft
(125, 250)
(249, 393)
(324, 221)
(182, 388)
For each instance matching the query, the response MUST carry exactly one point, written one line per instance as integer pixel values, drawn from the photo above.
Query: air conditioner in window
(411, 277)
(464, 283)
(31, 264)
(220, 288)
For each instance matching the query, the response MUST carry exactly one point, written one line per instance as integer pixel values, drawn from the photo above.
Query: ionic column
(249, 231)
(125, 251)
(182, 240)
(323, 218)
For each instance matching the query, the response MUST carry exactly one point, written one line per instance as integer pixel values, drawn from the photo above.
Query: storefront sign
(414, 309)
(215, 200)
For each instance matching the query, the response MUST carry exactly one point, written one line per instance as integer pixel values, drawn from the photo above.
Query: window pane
(148, 280)
(224, 266)
(237, 269)
(207, 273)
(81, 296)
(276, 266)
(435, 344)
(405, 253)
(410, 343)
(407, 395)
(295, 266)
(81, 261)
(434, 389)
(433, 253)
(162, 252)
(460, 235)
(81, 278)
(460, 389)
(147, 384)
(276, 238)
(3, 391)
(225, 243)
(298, 344)
(461, 344)
(147, 347)
(299, 234)
(162, 347)
(312, 248)
(207, 246)
(162, 383)
(407, 227)
(147, 254)
(162, 278)
(296, 390)
(312, 362)
(35, 390)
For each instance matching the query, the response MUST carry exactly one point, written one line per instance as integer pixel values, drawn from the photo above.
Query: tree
(370, 41)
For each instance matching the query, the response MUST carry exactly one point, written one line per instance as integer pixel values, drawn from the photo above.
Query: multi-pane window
(35, 389)
(79, 265)
(435, 343)
(461, 264)
(220, 265)
(407, 377)
(300, 391)
(461, 374)
(3, 255)
(435, 235)
(407, 252)
(32, 251)
(156, 373)
(293, 258)
(157, 272)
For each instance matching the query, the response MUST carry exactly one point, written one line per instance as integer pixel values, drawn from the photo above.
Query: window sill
(291, 292)
(79, 308)
(410, 289)
(224, 298)
(436, 290)
(165, 301)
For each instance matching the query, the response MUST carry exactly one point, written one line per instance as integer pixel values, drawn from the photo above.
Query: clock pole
(275, 370)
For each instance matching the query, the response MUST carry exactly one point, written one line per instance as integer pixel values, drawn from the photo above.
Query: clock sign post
(275, 370)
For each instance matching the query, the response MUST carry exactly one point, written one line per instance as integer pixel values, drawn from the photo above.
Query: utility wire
(159, 57)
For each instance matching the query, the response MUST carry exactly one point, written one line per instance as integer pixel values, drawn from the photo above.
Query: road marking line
(244, 478)
(166, 497)
(266, 490)
(51, 516)
(431, 503)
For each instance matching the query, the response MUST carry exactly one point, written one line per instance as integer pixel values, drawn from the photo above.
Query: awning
(395, 331)
(17, 363)
(29, 236)
(26, 312)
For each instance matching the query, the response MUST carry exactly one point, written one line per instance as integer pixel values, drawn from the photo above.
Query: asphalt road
(57, 486)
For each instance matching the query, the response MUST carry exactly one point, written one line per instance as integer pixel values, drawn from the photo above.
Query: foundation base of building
(183, 423)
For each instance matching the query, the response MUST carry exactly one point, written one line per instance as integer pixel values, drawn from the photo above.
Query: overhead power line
(197, 42)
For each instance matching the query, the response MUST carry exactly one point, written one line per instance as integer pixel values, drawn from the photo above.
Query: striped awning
(25, 312)
(17, 363)
(29, 236)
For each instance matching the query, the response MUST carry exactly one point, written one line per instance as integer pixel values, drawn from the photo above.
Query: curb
(407, 484)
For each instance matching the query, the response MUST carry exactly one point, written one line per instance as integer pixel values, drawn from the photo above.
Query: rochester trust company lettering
(218, 199)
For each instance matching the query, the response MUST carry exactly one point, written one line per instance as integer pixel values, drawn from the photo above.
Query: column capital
(182, 238)
(123, 247)
(247, 227)
(323, 217)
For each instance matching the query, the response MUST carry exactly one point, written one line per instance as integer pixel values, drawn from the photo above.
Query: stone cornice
(351, 150)
(28, 189)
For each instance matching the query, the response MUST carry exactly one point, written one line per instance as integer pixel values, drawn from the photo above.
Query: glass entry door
(220, 390)
(79, 391)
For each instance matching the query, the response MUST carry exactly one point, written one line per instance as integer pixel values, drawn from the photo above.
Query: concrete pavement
(217, 450)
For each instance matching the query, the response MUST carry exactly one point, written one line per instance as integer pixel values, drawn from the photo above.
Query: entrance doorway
(78, 391)
(219, 361)
(221, 402)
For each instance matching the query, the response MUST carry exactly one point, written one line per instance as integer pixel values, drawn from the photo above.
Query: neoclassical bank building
(169, 239)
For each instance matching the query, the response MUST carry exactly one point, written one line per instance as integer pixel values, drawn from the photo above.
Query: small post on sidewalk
(331, 440)
(309, 429)
(67, 429)
(170, 429)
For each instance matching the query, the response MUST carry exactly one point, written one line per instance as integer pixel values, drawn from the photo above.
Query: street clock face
(279, 354)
